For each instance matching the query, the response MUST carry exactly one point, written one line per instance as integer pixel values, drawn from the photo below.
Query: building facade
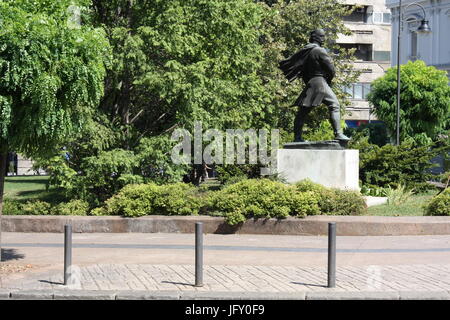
(20, 166)
(370, 24)
(434, 47)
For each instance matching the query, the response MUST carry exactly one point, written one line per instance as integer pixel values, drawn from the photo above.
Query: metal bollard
(199, 254)
(67, 253)
(331, 255)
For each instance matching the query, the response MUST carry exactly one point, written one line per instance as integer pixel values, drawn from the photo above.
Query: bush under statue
(326, 162)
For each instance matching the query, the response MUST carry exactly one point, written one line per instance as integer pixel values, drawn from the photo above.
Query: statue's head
(317, 36)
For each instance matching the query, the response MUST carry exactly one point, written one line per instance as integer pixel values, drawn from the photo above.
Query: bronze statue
(313, 64)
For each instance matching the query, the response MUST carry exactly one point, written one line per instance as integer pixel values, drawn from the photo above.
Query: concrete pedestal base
(331, 168)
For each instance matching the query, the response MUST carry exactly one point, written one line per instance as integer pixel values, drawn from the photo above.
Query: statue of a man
(313, 64)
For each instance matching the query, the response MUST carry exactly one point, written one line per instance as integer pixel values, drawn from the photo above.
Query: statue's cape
(293, 66)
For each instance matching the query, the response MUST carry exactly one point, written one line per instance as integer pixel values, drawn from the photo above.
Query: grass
(411, 207)
(24, 188)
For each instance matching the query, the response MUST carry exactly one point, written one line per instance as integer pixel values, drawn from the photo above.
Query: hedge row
(38, 207)
(252, 198)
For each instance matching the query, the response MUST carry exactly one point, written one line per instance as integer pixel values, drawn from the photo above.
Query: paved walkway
(244, 278)
(161, 265)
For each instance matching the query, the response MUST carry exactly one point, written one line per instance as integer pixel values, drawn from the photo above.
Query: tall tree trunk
(127, 79)
(3, 160)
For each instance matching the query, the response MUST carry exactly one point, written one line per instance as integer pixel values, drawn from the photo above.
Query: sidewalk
(160, 266)
(237, 282)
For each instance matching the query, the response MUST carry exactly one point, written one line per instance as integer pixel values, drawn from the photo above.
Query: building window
(363, 51)
(380, 18)
(381, 55)
(377, 17)
(358, 91)
(358, 15)
(413, 24)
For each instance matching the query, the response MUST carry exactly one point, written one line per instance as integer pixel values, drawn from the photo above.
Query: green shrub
(133, 201)
(308, 185)
(250, 198)
(439, 205)
(12, 207)
(71, 208)
(234, 179)
(37, 207)
(324, 195)
(177, 199)
(101, 211)
(149, 199)
(334, 201)
(407, 164)
(305, 204)
(262, 198)
(348, 203)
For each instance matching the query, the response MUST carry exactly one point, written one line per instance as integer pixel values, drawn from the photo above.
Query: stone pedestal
(331, 168)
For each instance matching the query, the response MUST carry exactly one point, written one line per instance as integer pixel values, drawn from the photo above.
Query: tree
(424, 96)
(179, 61)
(51, 76)
(174, 62)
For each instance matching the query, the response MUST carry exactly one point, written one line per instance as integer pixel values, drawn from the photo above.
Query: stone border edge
(309, 226)
(14, 294)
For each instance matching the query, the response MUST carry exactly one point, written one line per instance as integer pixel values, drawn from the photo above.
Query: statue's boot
(298, 138)
(335, 118)
(299, 122)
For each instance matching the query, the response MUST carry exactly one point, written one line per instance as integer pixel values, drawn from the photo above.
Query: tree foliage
(51, 75)
(424, 97)
(408, 164)
(179, 61)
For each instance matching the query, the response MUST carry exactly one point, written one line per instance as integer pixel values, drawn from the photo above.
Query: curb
(6, 294)
(309, 226)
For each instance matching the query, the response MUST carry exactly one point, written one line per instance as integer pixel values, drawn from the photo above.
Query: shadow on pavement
(309, 284)
(52, 282)
(180, 283)
(11, 254)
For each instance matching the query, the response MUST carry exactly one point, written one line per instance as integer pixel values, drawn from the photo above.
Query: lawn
(24, 188)
(411, 207)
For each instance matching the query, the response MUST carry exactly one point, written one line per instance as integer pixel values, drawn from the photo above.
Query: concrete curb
(180, 295)
(313, 225)
(389, 295)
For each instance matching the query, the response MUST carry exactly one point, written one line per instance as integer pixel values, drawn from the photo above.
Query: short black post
(199, 254)
(331, 255)
(67, 253)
